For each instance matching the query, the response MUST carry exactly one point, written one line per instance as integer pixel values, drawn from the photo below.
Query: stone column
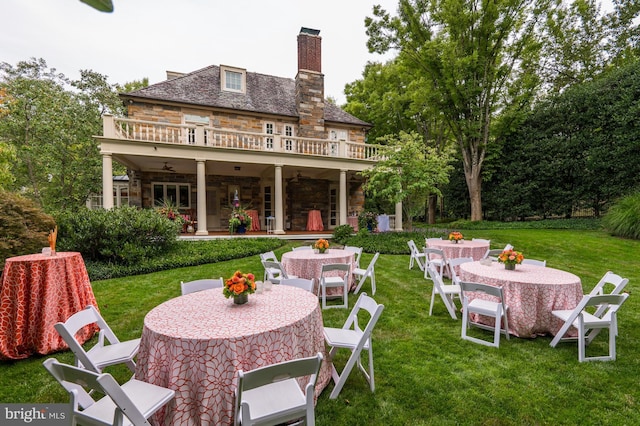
(278, 200)
(201, 197)
(398, 226)
(343, 197)
(107, 182)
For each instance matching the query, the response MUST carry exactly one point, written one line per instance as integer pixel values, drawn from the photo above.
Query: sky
(145, 38)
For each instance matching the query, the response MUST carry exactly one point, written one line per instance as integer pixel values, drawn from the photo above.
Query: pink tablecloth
(531, 293)
(474, 249)
(308, 264)
(38, 291)
(353, 222)
(195, 344)
(314, 221)
(255, 220)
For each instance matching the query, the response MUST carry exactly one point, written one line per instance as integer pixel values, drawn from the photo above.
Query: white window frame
(269, 129)
(289, 144)
(224, 84)
(164, 193)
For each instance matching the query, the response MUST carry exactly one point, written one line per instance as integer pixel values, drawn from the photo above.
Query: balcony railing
(197, 134)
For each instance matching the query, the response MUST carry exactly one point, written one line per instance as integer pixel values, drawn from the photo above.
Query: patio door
(333, 206)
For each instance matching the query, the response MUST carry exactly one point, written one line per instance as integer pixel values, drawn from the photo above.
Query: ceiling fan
(166, 168)
(296, 178)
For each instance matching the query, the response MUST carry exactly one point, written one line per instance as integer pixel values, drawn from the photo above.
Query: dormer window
(233, 79)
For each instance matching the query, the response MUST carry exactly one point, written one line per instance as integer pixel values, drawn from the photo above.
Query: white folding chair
(496, 309)
(492, 254)
(481, 240)
(362, 274)
(358, 253)
(335, 275)
(200, 285)
(352, 337)
(129, 404)
(271, 395)
(446, 291)
(584, 322)
(432, 240)
(437, 258)
(302, 248)
(100, 355)
(416, 256)
(275, 271)
(453, 263)
(302, 283)
(615, 280)
(269, 256)
(534, 262)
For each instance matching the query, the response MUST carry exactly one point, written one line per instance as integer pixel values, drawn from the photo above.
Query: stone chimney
(310, 85)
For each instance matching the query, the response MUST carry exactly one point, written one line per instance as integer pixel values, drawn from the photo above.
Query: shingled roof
(264, 94)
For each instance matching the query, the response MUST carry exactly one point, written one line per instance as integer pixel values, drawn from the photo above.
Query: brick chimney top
(309, 50)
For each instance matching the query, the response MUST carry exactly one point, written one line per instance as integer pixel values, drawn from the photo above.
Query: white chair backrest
(270, 266)
(482, 288)
(615, 280)
(270, 256)
(434, 253)
(357, 251)
(481, 240)
(413, 247)
(200, 285)
(534, 262)
(435, 240)
(302, 283)
(457, 262)
(492, 254)
(507, 247)
(302, 248)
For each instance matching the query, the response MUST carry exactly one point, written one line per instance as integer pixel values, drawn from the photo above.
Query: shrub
(23, 226)
(623, 218)
(123, 235)
(341, 233)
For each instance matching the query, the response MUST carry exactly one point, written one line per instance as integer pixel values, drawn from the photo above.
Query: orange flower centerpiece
(321, 245)
(510, 258)
(240, 286)
(455, 236)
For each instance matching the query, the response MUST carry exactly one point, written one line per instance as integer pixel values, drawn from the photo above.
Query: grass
(425, 374)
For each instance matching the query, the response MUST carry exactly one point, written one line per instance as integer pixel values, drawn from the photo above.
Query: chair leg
(373, 283)
(433, 297)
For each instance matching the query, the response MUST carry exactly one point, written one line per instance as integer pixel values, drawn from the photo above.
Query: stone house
(199, 138)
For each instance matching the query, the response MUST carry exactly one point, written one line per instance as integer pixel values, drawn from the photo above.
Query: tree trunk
(474, 184)
(433, 199)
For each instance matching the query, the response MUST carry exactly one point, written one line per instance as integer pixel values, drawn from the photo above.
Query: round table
(195, 344)
(473, 249)
(308, 264)
(38, 291)
(530, 292)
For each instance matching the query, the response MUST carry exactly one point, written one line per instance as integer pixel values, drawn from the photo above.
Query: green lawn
(425, 374)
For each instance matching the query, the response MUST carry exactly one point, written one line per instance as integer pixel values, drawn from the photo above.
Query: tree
(478, 58)
(50, 123)
(410, 172)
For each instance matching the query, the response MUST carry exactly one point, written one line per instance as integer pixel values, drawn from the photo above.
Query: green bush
(123, 235)
(623, 218)
(341, 233)
(23, 226)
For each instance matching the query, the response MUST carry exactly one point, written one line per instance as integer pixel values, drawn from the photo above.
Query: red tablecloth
(195, 344)
(314, 221)
(38, 291)
(255, 220)
(531, 293)
(308, 264)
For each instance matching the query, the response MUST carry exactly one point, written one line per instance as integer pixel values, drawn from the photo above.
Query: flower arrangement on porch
(510, 258)
(167, 208)
(239, 221)
(321, 245)
(368, 220)
(240, 286)
(455, 236)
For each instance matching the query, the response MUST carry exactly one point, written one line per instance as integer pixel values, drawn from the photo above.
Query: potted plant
(239, 221)
(455, 237)
(510, 258)
(321, 245)
(240, 286)
(368, 220)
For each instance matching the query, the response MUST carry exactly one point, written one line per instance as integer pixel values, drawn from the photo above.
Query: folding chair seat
(496, 309)
(335, 275)
(358, 253)
(200, 285)
(352, 337)
(100, 355)
(446, 291)
(437, 259)
(362, 274)
(605, 317)
(302, 283)
(416, 256)
(275, 272)
(269, 256)
(271, 395)
(129, 404)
